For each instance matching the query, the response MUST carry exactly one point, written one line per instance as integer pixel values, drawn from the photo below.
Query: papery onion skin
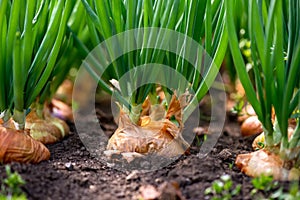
(154, 137)
(247, 112)
(155, 132)
(61, 110)
(18, 146)
(251, 126)
(263, 162)
(259, 142)
(47, 130)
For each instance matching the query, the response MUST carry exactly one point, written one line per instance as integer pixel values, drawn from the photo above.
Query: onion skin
(260, 139)
(155, 132)
(61, 110)
(251, 126)
(260, 162)
(18, 146)
(48, 130)
(247, 112)
(264, 162)
(64, 92)
(152, 137)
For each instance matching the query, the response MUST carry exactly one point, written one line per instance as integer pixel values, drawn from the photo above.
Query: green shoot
(10, 187)
(31, 43)
(238, 107)
(202, 21)
(264, 183)
(223, 188)
(264, 187)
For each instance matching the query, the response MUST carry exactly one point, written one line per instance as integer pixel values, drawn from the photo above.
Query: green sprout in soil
(263, 183)
(11, 186)
(292, 194)
(200, 139)
(230, 165)
(265, 187)
(238, 107)
(223, 189)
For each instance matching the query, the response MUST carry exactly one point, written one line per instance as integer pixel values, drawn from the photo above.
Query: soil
(73, 173)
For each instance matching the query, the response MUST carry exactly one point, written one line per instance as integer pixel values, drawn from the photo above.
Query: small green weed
(223, 189)
(10, 186)
(238, 107)
(264, 187)
(230, 165)
(265, 184)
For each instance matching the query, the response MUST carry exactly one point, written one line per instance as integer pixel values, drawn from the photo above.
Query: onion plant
(33, 38)
(203, 21)
(274, 34)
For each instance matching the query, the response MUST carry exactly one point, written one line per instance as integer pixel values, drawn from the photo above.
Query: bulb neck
(19, 119)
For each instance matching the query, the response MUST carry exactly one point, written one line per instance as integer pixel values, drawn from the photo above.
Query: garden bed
(43, 42)
(72, 173)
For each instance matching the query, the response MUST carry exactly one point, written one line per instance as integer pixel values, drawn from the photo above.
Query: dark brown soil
(72, 173)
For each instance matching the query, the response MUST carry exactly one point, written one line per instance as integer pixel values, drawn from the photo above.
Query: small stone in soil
(69, 166)
(225, 154)
(158, 180)
(130, 156)
(132, 176)
(149, 192)
(93, 188)
(82, 149)
(121, 195)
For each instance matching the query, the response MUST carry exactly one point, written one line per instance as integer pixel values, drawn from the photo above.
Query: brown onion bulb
(251, 126)
(18, 146)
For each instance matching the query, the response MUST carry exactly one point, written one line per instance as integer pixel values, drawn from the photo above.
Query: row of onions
(39, 44)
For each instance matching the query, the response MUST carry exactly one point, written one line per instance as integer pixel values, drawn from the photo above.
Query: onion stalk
(58, 94)
(203, 21)
(274, 34)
